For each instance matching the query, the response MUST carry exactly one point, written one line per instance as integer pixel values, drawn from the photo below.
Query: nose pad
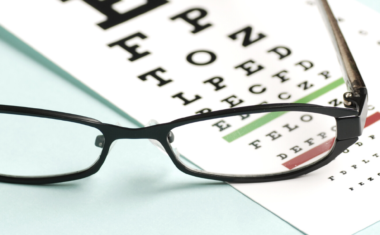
(171, 137)
(100, 141)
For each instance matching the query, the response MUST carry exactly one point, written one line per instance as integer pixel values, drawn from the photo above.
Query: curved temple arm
(351, 73)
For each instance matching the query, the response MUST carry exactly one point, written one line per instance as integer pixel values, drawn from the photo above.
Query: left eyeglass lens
(41, 147)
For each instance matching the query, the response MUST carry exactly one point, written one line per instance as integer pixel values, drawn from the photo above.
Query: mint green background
(137, 191)
(374, 4)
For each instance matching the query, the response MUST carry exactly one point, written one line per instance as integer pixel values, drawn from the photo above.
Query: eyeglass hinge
(351, 100)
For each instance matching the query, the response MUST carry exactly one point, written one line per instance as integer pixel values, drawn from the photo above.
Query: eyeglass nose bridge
(112, 133)
(100, 140)
(170, 135)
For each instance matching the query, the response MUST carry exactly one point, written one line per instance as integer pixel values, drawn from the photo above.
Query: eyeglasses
(234, 145)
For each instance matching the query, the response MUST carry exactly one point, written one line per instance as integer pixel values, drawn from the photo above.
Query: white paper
(68, 34)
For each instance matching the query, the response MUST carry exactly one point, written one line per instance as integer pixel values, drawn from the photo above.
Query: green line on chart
(271, 116)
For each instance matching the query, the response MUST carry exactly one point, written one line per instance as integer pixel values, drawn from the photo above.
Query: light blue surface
(374, 4)
(137, 191)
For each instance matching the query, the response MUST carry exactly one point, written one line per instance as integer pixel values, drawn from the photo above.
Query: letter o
(190, 58)
(306, 118)
(333, 128)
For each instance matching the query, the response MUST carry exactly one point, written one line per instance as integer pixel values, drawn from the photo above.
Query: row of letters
(193, 17)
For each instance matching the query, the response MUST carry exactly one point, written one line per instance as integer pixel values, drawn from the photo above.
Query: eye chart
(164, 60)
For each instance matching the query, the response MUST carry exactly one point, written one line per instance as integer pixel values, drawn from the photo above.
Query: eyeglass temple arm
(351, 74)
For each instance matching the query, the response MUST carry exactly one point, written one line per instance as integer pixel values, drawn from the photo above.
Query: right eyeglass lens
(255, 144)
(42, 147)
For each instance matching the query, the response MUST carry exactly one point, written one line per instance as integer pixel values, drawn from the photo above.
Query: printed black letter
(193, 21)
(247, 31)
(114, 17)
(131, 49)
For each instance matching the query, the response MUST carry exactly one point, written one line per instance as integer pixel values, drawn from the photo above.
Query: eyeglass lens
(33, 146)
(255, 144)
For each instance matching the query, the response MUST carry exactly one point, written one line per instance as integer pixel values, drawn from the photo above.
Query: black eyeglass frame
(349, 127)
(350, 124)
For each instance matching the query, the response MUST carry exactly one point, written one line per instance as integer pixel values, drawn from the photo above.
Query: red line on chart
(372, 119)
(312, 153)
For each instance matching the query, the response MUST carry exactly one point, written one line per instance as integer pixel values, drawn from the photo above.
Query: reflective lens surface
(255, 144)
(32, 146)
